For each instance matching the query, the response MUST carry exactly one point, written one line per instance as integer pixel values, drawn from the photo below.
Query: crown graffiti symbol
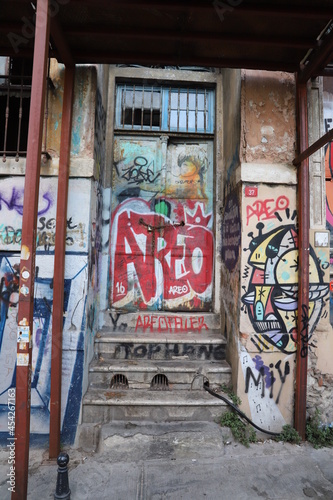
(197, 216)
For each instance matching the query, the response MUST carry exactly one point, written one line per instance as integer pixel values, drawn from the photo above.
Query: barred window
(174, 109)
(15, 92)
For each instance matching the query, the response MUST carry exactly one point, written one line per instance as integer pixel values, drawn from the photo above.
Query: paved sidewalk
(189, 461)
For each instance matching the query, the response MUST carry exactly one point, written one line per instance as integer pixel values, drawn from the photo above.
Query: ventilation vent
(119, 381)
(159, 383)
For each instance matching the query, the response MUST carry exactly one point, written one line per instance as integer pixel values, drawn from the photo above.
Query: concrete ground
(189, 461)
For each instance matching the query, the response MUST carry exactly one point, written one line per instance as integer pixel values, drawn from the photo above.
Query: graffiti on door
(162, 243)
(173, 264)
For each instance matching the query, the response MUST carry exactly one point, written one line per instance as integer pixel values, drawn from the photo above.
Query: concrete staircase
(154, 367)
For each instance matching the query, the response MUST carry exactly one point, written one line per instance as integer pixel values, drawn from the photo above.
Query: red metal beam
(28, 250)
(313, 148)
(59, 264)
(303, 268)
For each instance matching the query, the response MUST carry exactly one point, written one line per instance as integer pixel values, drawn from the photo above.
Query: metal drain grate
(119, 381)
(160, 383)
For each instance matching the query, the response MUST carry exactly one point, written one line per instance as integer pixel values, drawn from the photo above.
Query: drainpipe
(59, 263)
(28, 251)
(303, 269)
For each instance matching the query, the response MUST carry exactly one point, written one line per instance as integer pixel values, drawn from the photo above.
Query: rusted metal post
(303, 268)
(59, 263)
(28, 250)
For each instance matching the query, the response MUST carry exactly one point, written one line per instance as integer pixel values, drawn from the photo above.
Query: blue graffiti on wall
(41, 357)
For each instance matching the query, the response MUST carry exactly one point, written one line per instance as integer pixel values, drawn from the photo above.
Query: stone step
(101, 407)
(207, 345)
(181, 375)
(161, 322)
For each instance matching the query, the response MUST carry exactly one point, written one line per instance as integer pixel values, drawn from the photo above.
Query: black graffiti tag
(139, 172)
(304, 331)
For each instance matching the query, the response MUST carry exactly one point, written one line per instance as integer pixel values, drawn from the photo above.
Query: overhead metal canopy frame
(253, 34)
(289, 35)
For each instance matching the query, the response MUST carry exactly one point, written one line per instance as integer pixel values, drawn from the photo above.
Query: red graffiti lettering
(265, 209)
(170, 323)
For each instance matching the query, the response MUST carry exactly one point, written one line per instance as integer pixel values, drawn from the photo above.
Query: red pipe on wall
(59, 263)
(303, 270)
(28, 251)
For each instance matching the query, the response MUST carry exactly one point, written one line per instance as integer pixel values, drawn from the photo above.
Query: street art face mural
(162, 245)
(269, 310)
(271, 289)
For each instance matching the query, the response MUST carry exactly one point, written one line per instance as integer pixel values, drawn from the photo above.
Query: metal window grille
(188, 110)
(119, 381)
(172, 109)
(159, 383)
(15, 94)
(141, 107)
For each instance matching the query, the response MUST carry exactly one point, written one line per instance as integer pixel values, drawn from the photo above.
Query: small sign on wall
(251, 191)
(321, 239)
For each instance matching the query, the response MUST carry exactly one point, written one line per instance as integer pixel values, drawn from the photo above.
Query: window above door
(165, 109)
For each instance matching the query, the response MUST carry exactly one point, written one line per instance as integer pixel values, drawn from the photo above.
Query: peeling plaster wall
(268, 117)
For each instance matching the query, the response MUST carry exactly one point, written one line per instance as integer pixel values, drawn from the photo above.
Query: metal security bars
(188, 110)
(160, 383)
(119, 381)
(141, 107)
(168, 109)
(15, 90)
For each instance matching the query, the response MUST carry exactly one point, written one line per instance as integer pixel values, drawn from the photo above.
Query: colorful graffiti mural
(269, 304)
(75, 298)
(271, 295)
(162, 244)
(270, 275)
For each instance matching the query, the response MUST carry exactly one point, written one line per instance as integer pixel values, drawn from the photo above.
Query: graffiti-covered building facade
(181, 245)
